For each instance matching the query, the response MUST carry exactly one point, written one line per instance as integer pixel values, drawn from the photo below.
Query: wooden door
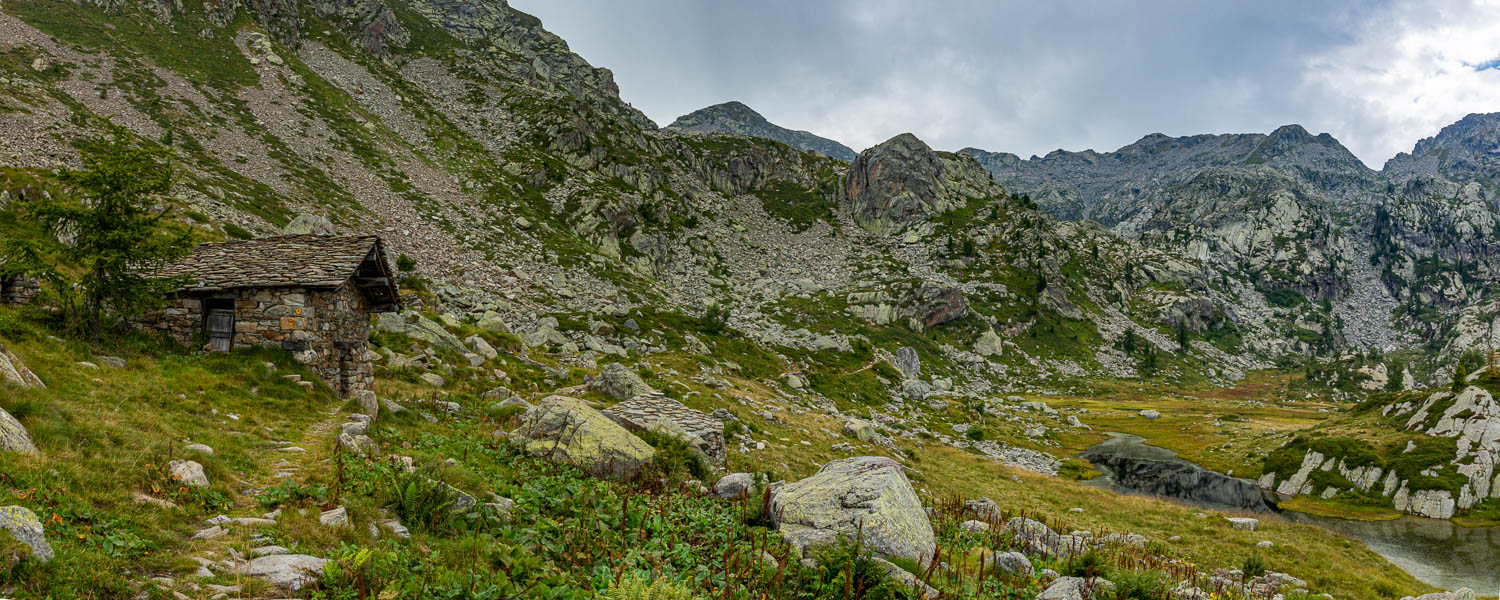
(221, 329)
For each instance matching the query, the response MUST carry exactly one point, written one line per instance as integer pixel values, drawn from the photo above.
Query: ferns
(419, 501)
(640, 588)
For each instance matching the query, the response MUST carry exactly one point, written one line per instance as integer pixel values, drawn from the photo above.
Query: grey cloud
(1024, 77)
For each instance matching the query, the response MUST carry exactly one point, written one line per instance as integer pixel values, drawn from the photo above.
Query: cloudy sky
(1030, 77)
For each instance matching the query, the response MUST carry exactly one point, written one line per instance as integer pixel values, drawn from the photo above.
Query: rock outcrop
(286, 571)
(419, 327)
(619, 382)
(903, 182)
(1469, 418)
(865, 496)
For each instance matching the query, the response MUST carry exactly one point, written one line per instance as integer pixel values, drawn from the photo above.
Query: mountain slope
(736, 118)
(1363, 240)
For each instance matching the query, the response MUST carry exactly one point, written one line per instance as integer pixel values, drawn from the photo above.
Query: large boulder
(908, 363)
(860, 429)
(13, 437)
(25, 527)
(481, 347)
(14, 372)
(619, 382)
(309, 224)
(188, 472)
(1458, 594)
(566, 430)
(733, 486)
(989, 343)
(1036, 538)
(866, 496)
(983, 508)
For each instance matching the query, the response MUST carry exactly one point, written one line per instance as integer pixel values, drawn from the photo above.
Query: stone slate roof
(312, 261)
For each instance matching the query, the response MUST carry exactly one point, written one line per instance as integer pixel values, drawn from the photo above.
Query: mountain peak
(1292, 132)
(1469, 148)
(737, 118)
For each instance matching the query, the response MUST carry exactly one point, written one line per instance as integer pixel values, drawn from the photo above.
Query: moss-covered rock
(866, 497)
(566, 430)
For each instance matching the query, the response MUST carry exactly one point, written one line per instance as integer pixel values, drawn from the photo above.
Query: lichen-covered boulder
(25, 527)
(984, 508)
(864, 496)
(369, 404)
(13, 437)
(14, 372)
(567, 430)
(860, 429)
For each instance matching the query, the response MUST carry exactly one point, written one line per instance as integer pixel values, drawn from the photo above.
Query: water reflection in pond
(1437, 552)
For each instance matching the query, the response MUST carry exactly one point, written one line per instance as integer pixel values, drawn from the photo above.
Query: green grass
(107, 435)
(797, 205)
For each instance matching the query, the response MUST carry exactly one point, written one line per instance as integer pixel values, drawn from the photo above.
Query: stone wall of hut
(328, 330)
(18, 291)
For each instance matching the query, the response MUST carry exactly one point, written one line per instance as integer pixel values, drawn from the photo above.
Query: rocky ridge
(736, 118)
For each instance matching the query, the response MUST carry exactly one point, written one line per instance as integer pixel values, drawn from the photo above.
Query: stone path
(212, 547)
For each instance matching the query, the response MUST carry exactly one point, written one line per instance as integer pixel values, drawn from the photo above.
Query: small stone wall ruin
(647, 411)
(19, 291)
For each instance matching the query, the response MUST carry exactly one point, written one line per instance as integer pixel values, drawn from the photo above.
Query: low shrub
(1088, 564)
(1255, 566)
(674, 457)
(1139, 585)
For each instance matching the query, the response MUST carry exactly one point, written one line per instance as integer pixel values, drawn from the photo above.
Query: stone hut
(18, 291)
(309, 294)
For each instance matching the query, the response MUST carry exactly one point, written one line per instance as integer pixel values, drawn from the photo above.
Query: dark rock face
(368, 24)
(1181, 480)
(736, 118)
(903, 182)
(934, 305)
(895, 181)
